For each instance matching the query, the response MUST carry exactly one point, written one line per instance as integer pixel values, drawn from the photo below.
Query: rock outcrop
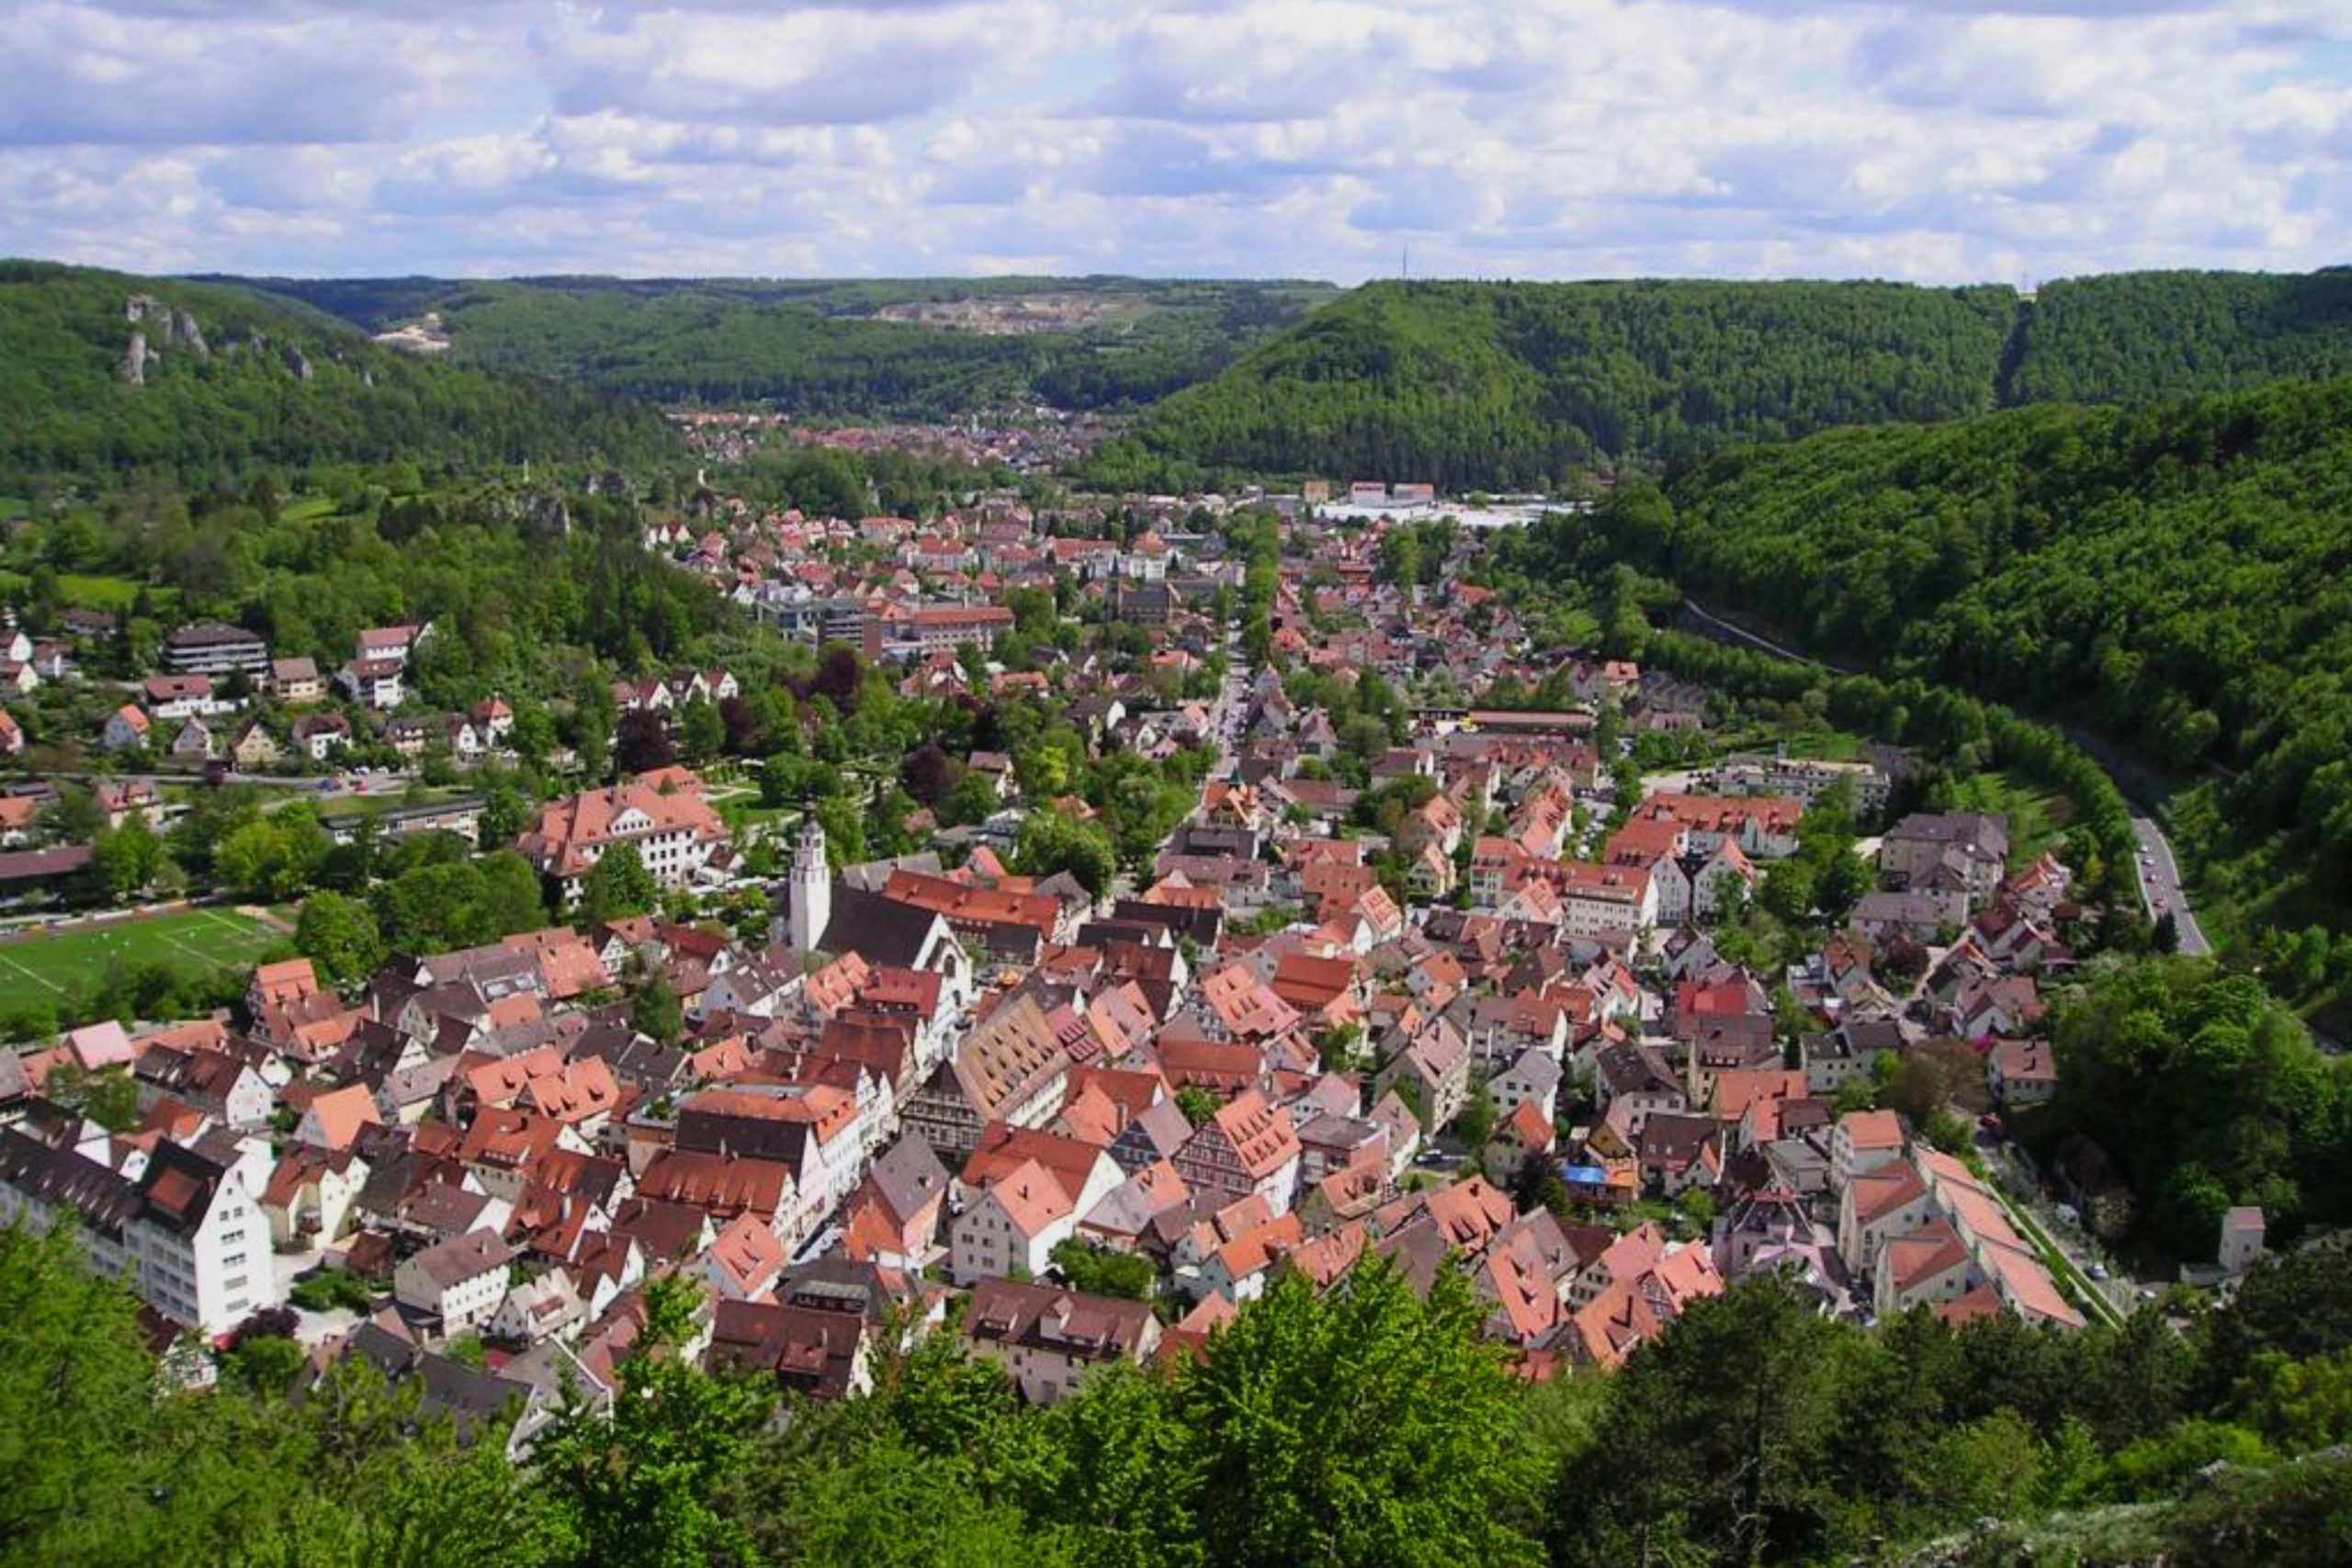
(550, 514)
(134, 361)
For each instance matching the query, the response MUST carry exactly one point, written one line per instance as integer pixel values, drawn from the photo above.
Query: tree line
(1369, 1424)
(823, 348)
(1476, 385)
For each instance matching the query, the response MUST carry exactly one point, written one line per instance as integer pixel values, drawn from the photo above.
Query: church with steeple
(809, 905)
(816, 913)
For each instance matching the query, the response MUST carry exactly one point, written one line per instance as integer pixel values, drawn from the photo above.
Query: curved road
(2160, 887)
(2157, 869)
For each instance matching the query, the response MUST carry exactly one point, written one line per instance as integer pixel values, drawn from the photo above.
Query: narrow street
(2160, 889)
(2111, 1299)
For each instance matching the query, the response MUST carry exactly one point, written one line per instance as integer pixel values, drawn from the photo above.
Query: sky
(1935, 140)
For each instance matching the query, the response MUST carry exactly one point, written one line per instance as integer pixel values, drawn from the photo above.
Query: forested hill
(1472, 385)
(1505, 384)
(224, 380)
(2181, 577)
(2146, 337)
(917, 347)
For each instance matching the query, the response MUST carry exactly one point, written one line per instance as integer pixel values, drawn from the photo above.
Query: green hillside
(2181, 578)
(1476, 385)
(2141, 337)
(231, 379)
(897, 346)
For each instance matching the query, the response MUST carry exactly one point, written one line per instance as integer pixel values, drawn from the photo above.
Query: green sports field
(48, 967)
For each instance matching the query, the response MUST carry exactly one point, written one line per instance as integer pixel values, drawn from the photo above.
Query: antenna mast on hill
(1405, 262)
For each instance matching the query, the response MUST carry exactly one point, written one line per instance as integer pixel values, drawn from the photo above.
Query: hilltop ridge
(108, 373)
(1473, 385)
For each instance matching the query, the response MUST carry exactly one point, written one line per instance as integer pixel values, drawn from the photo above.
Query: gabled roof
(1030, 1197)
(463, 1258)
(1260, 1134)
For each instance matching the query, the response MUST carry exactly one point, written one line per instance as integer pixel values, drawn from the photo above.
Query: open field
(52, 964)
(91, 593)
(390, 796)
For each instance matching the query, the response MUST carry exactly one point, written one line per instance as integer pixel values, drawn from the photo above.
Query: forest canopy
(1500, 385)
(913, 347)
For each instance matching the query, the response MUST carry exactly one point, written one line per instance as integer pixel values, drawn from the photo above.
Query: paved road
(1232, 705)
(2160, 887)
(2036, 1219)
(1708, 618)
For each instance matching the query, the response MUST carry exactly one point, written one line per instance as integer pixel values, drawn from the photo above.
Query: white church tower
(811, 892)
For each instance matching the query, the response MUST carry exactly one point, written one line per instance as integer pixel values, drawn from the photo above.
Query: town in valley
(1274, 783)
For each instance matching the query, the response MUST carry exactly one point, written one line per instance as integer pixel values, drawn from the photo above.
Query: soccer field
(49, 967)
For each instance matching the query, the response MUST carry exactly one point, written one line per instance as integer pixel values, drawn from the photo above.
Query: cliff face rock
(172, 326)
(297, 361)
(134, 361)
(550, 514)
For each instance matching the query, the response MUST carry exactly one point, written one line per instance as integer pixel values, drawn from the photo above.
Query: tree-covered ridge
(1479, 385)
(2144, 337)
(822, 346)
(1483, 384)
(2183, 576)
(268, 385)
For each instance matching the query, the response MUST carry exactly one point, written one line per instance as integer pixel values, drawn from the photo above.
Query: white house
(1015, 1224)
(1533, 1077)
(461, 1281)
(546, 1307)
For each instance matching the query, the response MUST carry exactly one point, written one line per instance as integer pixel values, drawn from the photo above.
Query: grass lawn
(102, 593)
(54, 965)
(2036, 816)
(92, 592)
(744, 811)
(375, 803)
(306, 508)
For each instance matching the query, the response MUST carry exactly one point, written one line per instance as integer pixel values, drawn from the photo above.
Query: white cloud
(1927, 138)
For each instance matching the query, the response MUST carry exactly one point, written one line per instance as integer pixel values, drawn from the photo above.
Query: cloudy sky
(1934, 139)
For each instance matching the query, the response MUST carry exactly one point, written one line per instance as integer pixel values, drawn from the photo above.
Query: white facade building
(186, 1234)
